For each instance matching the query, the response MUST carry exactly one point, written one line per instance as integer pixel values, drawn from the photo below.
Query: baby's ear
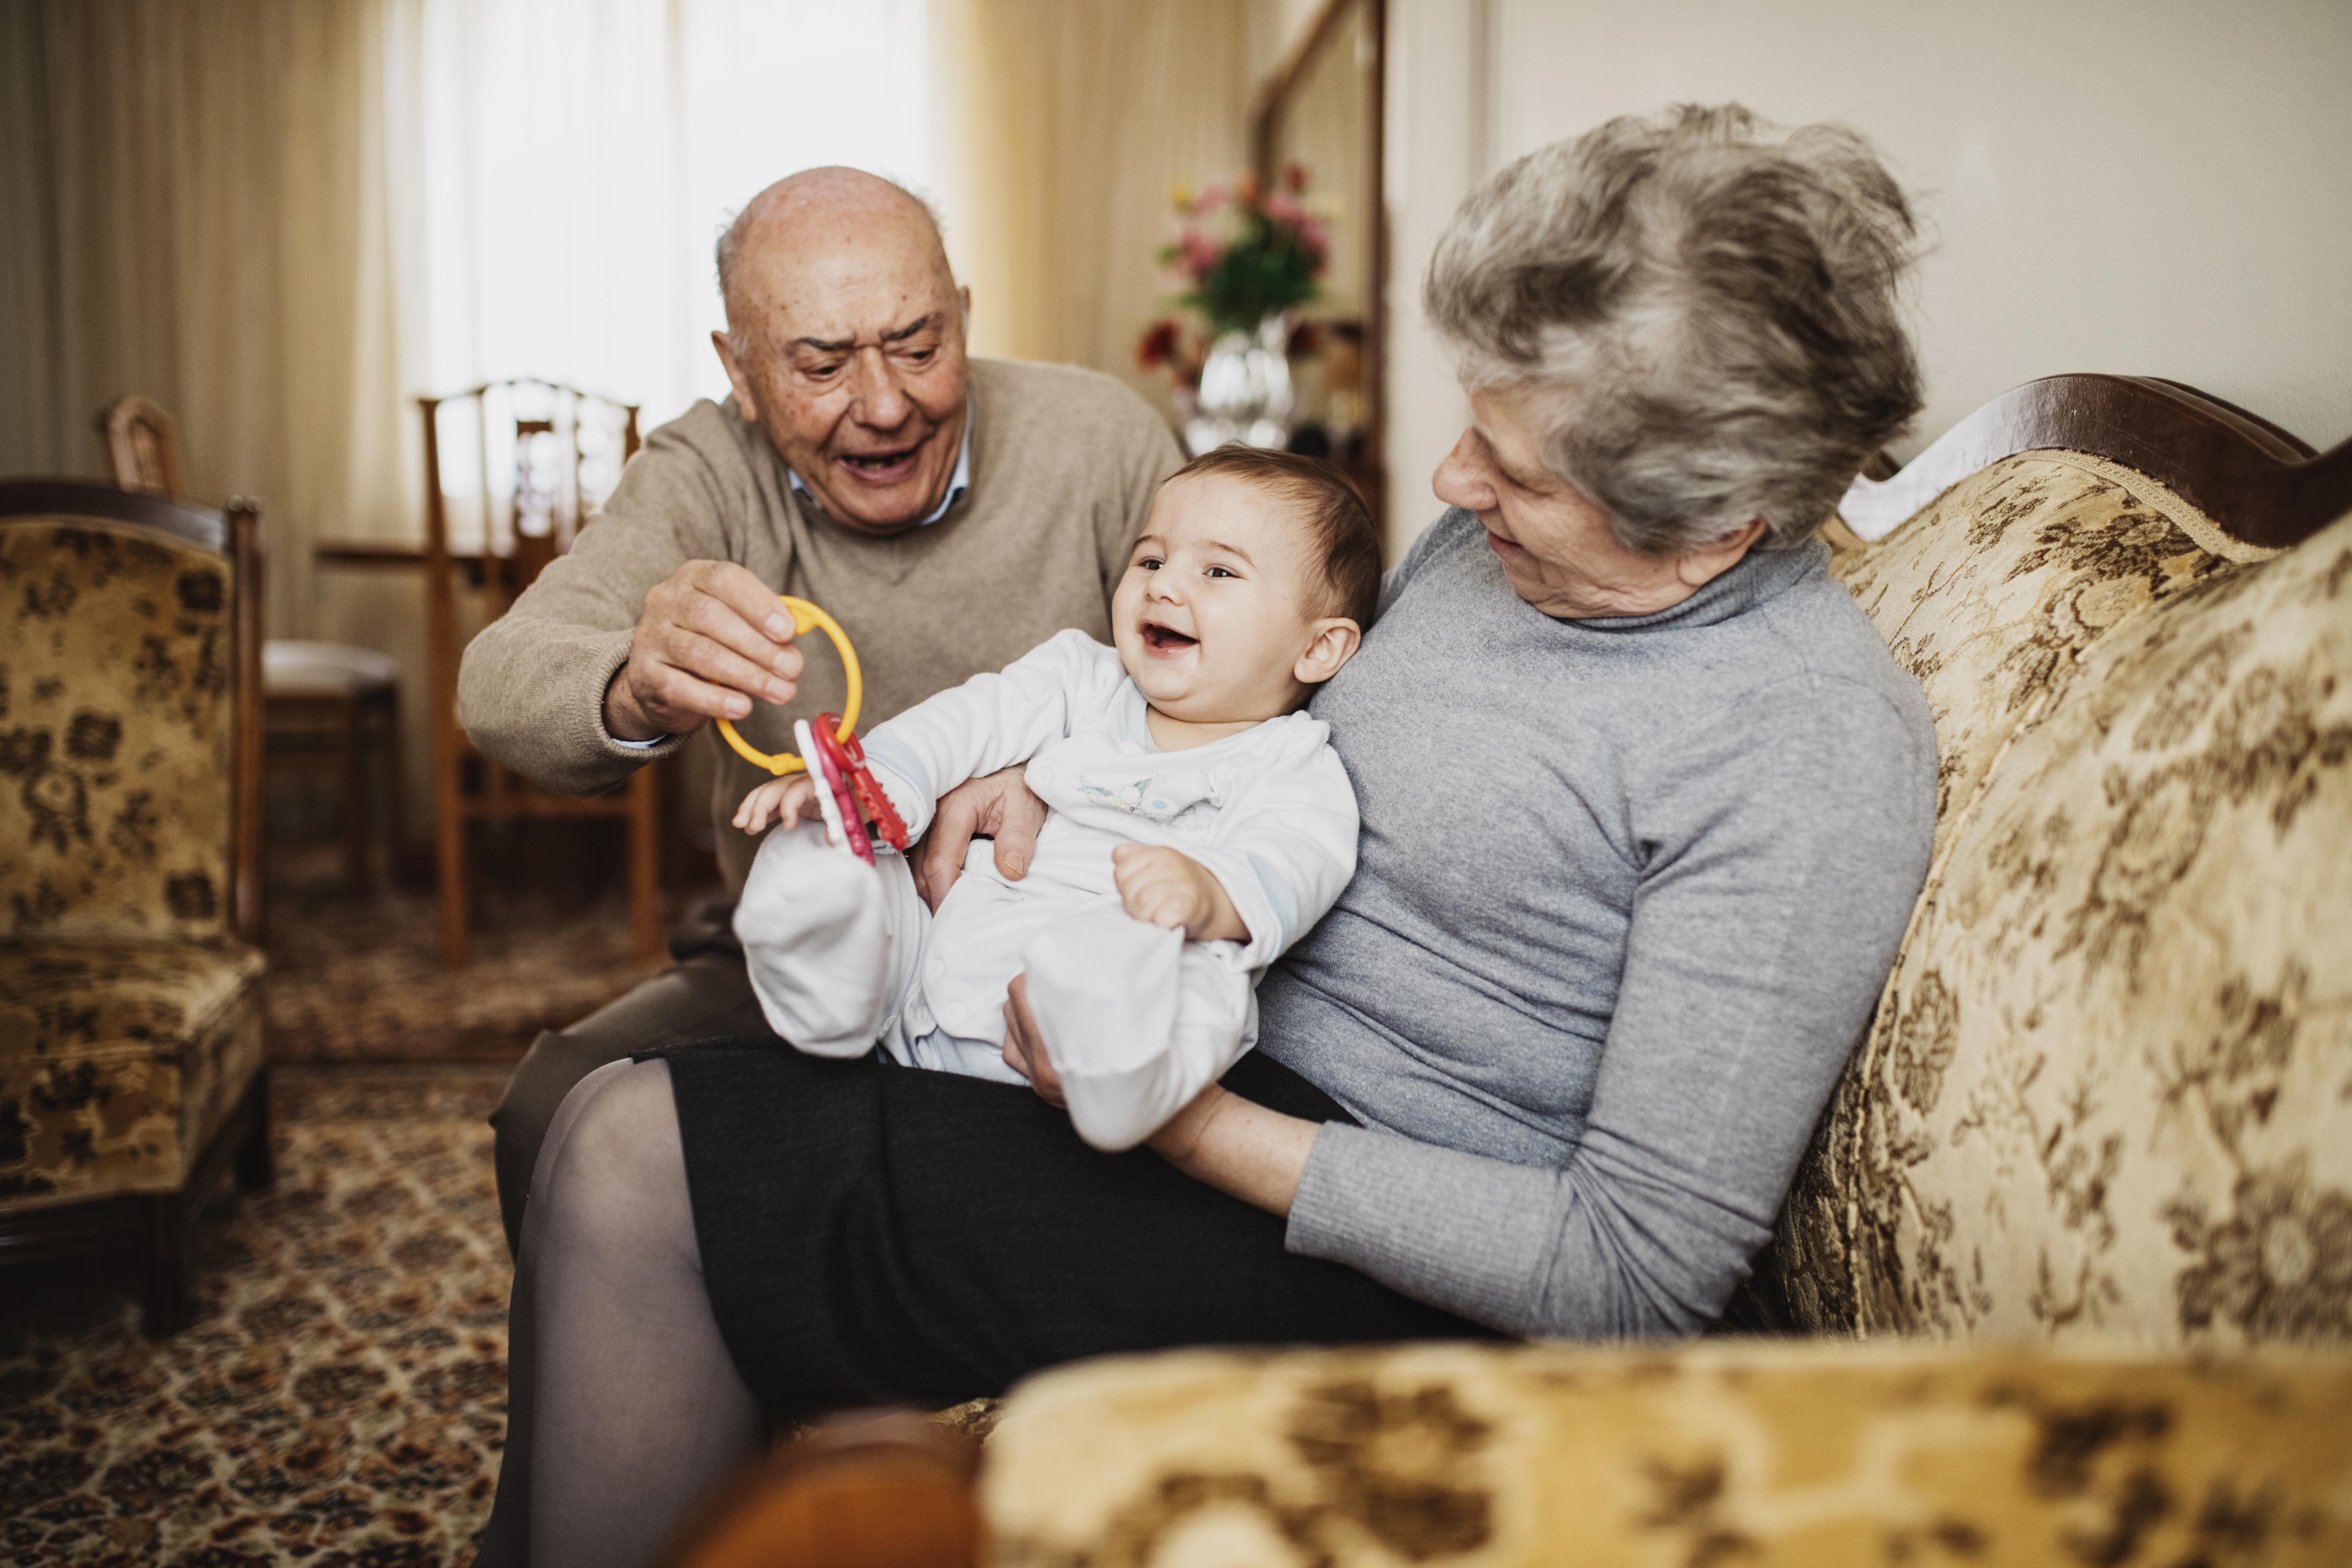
(1333, 642)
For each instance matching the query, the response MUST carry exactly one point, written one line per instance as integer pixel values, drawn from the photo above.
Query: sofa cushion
(1991, 594)
(118, 1061)
(114, 732)
(2109, 1086)
(1796, 1455)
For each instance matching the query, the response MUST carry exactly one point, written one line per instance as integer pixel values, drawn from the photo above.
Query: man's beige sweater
(1064, 466)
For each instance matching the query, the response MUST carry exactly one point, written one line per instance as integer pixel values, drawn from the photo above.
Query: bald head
(845, 343)
(848, 208)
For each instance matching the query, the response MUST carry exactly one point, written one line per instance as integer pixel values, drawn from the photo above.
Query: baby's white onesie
(1137, 1020)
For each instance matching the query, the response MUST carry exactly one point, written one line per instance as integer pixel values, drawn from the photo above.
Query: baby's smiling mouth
(1165, 640)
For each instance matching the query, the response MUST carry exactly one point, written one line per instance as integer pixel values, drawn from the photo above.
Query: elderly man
(950, 513)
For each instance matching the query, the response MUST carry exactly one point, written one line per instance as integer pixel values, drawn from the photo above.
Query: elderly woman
(1645, 805)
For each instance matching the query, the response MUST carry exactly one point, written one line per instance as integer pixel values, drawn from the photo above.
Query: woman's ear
(1334, 642)
(1695, 569)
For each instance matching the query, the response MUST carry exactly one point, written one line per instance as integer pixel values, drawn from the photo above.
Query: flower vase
(1245, 393)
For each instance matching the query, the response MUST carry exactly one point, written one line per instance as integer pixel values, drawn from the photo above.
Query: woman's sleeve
(1782, 848)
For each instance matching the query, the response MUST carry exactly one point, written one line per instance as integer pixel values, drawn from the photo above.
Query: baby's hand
(777, 800)
(1167, 888)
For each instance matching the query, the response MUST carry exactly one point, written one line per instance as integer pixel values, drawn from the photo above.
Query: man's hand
(1167, 888)
(1025, 1048)
(998, 806)
(711, 638)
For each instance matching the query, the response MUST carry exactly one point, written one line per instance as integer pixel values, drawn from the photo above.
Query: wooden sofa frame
(155, 1232)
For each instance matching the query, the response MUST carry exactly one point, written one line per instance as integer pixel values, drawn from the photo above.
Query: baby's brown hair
(1339, 526)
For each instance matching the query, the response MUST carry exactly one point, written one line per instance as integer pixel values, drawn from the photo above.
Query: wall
(2152, 188)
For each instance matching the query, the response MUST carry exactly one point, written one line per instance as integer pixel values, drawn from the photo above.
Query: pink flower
(1198, 254)
(1284, 208)
(1294, 177)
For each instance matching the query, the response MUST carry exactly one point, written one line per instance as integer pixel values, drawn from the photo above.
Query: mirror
(1320, 117)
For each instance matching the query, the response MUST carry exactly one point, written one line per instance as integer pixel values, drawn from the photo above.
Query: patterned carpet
(341, 1400)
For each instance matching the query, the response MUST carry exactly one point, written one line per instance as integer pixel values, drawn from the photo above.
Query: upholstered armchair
(132, 1078)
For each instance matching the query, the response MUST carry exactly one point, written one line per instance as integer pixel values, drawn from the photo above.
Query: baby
(1187, 791)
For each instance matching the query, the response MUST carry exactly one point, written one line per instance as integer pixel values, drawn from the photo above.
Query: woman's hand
(1236, 1145)
(998, 806)
(1025, 1048)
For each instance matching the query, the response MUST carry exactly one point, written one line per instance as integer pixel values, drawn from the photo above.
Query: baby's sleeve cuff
(1261, 897)
(903, 778)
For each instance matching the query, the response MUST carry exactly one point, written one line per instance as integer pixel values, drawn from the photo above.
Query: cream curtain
(565, 167)
(189, 190)
(1078, 117)
(284, 218)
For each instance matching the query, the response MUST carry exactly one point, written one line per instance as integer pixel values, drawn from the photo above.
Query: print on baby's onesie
(1159, 798)
(1125, 797)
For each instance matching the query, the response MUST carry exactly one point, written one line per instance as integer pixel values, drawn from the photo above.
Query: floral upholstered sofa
(131, 1016)
(2067, 1275)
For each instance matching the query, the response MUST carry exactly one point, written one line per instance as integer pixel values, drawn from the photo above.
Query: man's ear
(746, 403)
(1334, 644)
(1697, 568)
(964, 294)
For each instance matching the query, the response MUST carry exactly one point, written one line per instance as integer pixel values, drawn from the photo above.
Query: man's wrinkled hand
(1000, 806)
(711, 638)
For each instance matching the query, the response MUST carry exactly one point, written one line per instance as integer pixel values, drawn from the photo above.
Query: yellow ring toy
(805, 615)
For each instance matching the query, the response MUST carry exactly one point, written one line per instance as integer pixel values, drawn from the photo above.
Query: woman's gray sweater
(1626, 897)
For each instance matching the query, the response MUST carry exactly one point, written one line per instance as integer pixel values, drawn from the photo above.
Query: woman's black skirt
(873, 1232)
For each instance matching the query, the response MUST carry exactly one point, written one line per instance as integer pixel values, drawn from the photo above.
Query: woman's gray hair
(1715, 299)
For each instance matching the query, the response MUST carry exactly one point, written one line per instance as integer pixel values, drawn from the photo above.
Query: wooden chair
(564, 449)
(328, 701)
(131, 1067)
(143, 444)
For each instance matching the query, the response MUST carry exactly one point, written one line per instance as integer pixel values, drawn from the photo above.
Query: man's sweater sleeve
(1781, 852)
(531, 692)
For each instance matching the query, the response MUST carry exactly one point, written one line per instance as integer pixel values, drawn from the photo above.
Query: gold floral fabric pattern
(1714, 1453)
(117, 1062)
(1991, 594)
(114, 732)
(2109, 1086)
